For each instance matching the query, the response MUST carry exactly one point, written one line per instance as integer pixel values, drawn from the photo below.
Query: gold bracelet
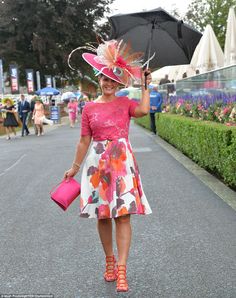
(76, 165)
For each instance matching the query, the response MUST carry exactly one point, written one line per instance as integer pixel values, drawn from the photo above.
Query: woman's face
(107, 85)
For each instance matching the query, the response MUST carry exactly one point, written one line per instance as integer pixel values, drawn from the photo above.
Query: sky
(129, 6)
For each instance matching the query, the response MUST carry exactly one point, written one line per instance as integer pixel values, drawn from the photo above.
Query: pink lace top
(108, 121)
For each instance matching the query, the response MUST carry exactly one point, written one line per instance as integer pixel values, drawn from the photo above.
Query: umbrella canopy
(47, 91)
(68, 95)
(208, 54)
(230, 39)
(156, 31)
(78, 94)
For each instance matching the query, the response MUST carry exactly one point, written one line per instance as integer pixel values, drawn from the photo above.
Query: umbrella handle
(145, 81)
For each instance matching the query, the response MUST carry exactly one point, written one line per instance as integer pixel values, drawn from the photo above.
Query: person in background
(32, 104)
(171, 87)
(23, 110)
(111, 187)
(73, 111)
(164, 80)
(155, 107)
(10, 121)
(82, 103)
(38, 115)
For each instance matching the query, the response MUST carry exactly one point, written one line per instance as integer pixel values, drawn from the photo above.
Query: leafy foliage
(213, 12)
(40, 34)
(211, 145)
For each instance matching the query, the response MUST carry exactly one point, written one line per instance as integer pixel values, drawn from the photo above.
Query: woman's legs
(123, 238)
(38, 129)
(7, 132)
(71, 120)
(13, 130)
(41, 129)
(105, 233)
(72, 123)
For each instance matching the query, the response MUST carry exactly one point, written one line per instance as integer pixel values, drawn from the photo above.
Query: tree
(40, 34)
(213, 12)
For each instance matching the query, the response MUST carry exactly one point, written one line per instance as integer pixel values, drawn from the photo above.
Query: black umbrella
(156, 31)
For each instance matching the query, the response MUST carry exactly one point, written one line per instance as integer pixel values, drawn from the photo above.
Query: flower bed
(211, 145)
(218, 111)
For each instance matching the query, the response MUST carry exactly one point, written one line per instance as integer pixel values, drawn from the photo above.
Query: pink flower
(200, 107)
(226, 110)
(188, 107)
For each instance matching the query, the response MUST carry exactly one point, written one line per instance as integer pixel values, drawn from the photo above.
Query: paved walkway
(185, 249)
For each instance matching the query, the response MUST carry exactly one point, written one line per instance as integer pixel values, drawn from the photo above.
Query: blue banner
(55, 114)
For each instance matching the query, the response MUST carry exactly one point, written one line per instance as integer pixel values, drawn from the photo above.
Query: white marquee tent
(230, 39)
(174, 72)
(208, 54)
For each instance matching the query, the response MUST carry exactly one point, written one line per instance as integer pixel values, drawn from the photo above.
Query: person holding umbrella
(111, 186)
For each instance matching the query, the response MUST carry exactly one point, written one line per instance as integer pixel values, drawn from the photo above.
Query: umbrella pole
(149, 54)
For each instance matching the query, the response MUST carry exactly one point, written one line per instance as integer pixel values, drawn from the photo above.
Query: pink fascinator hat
(114, 59)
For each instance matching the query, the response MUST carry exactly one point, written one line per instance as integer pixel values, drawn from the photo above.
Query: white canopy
(230, 39)
(174, 72)
(208, 54)
(185, 68)
(159, 74)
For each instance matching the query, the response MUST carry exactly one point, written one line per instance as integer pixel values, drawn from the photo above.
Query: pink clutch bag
(65, 193)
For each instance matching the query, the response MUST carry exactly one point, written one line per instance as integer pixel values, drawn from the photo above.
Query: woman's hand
(146, 75)
(70, 173)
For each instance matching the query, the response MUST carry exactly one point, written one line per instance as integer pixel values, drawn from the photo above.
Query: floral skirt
(111, 184)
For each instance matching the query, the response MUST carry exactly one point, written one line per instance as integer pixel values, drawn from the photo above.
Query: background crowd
(19, 116)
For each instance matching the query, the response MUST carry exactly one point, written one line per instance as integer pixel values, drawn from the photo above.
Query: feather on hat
(115, 60)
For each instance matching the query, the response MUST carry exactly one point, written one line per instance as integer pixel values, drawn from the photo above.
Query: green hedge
(211, 145)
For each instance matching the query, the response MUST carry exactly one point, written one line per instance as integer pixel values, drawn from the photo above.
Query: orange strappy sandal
(111, 271)
(122, 284)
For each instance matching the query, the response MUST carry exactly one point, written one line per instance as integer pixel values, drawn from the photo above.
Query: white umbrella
(68, 95)
(230, 39)
(208, 54)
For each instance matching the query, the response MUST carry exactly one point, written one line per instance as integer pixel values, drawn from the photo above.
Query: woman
(111, 187)
(73, 111)
(10, 121)
(38, 115)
